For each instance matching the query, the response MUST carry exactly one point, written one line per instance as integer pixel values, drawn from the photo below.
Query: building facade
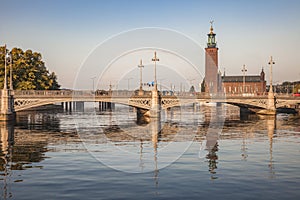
(253, 84)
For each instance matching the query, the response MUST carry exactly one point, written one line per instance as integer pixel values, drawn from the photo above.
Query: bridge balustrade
(128, 94)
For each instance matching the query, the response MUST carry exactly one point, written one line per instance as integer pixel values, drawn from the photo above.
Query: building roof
(240, 78)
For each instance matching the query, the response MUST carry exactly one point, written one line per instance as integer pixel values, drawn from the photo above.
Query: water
(107, 155)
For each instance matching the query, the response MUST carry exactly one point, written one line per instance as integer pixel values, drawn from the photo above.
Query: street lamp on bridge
(10, 73)
(141, 75)
(6, 57)
(155, 59)
(244, 70)
(5, 60)
(271, 63)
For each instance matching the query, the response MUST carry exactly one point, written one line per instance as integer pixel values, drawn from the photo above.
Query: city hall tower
(211, 63)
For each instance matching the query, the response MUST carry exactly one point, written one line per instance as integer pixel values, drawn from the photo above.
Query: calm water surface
(189, 154)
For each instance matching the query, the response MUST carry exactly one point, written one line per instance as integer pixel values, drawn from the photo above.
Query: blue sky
(66, 32)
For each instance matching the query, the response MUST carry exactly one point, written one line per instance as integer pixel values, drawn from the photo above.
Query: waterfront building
(216, 83)
(253, 84)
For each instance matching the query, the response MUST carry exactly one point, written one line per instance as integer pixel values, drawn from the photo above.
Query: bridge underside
(247, 108)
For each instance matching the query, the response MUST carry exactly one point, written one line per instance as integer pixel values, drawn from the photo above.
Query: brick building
(253, 84)
(216, 83)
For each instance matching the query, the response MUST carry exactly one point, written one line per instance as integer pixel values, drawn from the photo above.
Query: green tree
(29, 71)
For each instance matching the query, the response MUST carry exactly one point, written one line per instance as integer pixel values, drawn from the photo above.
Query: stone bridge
(31, 98)
(25, 99)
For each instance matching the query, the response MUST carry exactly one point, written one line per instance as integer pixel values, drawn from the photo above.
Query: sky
(85, 41)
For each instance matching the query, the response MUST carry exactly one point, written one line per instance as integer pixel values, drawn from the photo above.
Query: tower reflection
(212, 160)
(217, 118)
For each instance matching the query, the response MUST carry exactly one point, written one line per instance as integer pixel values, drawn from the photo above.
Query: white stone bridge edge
(145, 103)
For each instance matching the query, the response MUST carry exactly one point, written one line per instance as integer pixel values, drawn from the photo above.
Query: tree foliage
(29, 71)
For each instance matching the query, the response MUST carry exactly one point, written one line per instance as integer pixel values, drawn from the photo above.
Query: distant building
(254, 84)
(214, 82)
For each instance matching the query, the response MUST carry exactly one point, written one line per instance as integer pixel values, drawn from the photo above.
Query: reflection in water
(6, 156)
(244, 147)
(142, 164)
(213, 161)
(23, 146)
(217, 119)
(155, 127)
(271, 127)
(31, 137)
(38, 120)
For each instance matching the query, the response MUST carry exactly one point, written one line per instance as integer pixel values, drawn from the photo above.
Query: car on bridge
(296, 94)
(102, 92)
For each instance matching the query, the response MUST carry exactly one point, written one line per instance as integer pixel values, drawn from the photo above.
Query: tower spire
(211, 27)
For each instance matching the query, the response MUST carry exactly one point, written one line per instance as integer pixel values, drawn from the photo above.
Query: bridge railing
(128, 94)
(69, 93)
(33, 93)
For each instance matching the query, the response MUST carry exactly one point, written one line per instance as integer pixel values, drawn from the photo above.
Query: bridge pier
(155, 110)
(101, 106)
(106, 106)
(245, 111)
(70, 106)
(66, 106)
(271, 108)
(78, 106)
(7, 112)
(142, 115)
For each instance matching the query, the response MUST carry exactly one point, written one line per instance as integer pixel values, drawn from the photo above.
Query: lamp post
(271, 63)
(155, 59)
(5, 78)
(141, 75)
(244, 70)
(10, 74)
